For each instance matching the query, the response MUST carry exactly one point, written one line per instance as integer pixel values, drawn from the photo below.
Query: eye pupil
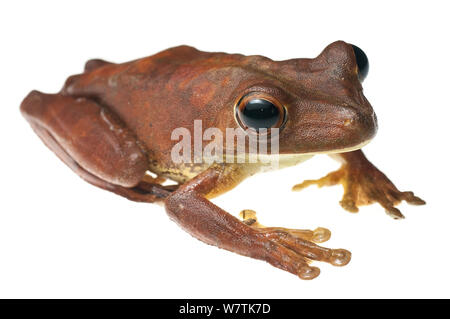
(257, 111)
(260, 113)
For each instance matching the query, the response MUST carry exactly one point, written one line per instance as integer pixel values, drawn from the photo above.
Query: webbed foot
(301, 242)
(364, 184)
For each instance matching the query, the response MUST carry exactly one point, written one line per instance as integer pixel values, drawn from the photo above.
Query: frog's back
(159, 93)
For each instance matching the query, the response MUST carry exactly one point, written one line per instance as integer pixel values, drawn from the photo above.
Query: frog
(113, 126)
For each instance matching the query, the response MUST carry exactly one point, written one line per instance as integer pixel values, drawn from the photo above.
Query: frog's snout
(358, 126)
(329, 127)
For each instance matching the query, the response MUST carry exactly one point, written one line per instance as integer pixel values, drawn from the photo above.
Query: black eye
(362, 61)
(256, 111)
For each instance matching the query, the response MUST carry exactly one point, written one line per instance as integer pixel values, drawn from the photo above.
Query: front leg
(189, 207)
(363, 184)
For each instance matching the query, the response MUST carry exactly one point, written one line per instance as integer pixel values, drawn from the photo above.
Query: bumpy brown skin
(114, 122)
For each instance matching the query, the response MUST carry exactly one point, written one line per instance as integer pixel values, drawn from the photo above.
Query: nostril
(358, 124)
(347, 122)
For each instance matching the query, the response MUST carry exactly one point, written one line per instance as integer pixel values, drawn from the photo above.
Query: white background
(61, 237)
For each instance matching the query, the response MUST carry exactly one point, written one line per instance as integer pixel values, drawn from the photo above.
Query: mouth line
(333, 151)
(348, 149)
(340, 150)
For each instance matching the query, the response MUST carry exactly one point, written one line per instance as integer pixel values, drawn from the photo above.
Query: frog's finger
(394, 213)
(389, 207)
(248, 217)
(304, 184)
(410, 198)
(319, 235)
(296, 263)
(350, 197)
(290, 260)
(349, 205)
(336, 257)
(300, 241)
(330, 179)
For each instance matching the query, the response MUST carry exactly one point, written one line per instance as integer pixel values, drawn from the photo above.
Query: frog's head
(317, 103)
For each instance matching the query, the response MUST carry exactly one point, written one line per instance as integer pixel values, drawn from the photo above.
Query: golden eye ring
(258, 111)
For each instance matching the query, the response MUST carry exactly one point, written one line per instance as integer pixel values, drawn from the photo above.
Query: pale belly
(186, 171)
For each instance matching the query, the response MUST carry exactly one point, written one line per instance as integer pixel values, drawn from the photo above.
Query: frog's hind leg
(93, 143)
(190, 208)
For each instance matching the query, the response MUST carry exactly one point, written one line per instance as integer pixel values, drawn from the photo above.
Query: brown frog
(113, 125)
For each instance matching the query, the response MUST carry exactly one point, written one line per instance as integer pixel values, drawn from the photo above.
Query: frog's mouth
(331, 151)
(340, 150)
(278, 161)
(348, 136)
(327, 129)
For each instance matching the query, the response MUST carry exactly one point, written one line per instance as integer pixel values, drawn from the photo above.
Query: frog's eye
(257, 111)
(362, 61)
